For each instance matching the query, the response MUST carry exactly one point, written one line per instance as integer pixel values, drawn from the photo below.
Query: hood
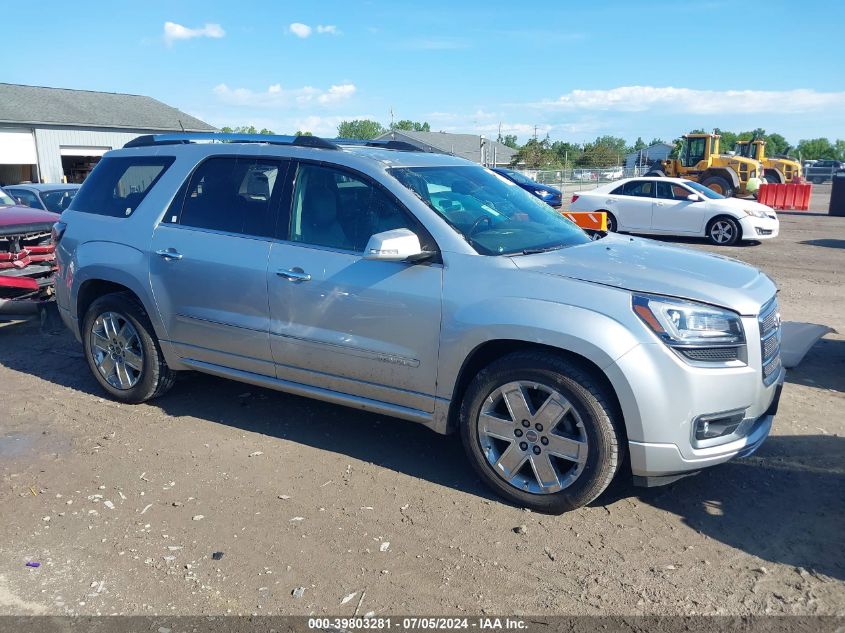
(20, 216)
(740, 204)
(654, 267)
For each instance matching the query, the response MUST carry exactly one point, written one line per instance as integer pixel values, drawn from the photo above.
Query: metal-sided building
(57, 135)
(470, 146)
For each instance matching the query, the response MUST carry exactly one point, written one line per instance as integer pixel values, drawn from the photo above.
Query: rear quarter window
(118, 185)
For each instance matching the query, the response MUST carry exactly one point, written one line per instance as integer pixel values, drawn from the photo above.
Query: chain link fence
(581, 178)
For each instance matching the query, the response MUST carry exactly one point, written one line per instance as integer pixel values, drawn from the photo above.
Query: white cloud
(687, 100)
(174, 32)
(276, 96)
(300, 30)
(303, 30)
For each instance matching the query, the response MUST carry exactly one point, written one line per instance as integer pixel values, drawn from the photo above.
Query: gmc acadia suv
(424, 287)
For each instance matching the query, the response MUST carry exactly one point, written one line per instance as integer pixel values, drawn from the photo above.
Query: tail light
(574, 198)
(57, 231)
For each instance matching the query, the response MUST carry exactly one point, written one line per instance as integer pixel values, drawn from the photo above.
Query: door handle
(169, 253)
(294, 274)
(659, 204)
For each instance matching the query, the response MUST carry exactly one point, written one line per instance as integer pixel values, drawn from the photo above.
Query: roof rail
(400, 146)
(180, 138)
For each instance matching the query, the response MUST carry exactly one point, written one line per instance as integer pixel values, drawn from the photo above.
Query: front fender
(588, 333)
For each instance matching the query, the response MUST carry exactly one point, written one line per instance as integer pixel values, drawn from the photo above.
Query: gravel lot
(124, 506)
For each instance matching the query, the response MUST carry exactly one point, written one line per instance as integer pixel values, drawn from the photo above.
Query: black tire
(717, 227)
(816, 180)
(771, 177)
(155, 376)
(720, 185)
(589, 399)
(612, 224)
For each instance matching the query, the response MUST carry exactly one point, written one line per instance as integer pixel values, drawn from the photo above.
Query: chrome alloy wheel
(116, 350)
(722, 232)
(532, 437)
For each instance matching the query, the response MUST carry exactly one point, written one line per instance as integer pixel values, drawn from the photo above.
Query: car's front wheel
(122, 350)
(724, 231)
(541, 431)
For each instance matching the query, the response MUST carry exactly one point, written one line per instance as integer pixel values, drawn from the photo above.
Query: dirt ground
(125, 506)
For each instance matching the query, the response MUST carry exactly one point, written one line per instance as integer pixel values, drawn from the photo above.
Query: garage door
(17, 147)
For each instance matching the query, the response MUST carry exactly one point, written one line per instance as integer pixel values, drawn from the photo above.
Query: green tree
(604, 152)
(566, 153)
(656, 141)
(412, 126)
(535, 154)
(509, 140)
(301, 133)
(364, 129)
(638, 144)
(839, 148)
(776, 144)
(816, 148)
(245, 129)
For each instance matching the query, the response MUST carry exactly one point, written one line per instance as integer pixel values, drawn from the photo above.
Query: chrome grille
(770, 334)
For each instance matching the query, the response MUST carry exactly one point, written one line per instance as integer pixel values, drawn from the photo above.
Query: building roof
(35, 105)
(464, 145)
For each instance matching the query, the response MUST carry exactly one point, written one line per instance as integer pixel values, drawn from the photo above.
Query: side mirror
(694, 197)
(397, 245)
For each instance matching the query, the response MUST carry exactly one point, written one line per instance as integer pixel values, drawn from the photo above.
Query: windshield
(6, 200)
(58, 200)
(493, 214)
(742, 150)
(517, 177)
(704, 191)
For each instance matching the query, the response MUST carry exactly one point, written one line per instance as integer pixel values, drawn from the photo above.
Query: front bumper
(660, 464)
(759, 228)
(662, 396)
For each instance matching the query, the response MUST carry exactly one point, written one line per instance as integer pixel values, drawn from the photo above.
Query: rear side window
(234, 195)
(639, 188)
(118, 185)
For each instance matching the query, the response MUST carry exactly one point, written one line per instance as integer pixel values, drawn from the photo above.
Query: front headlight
(757, 213)
(698, 331)
(542, 193)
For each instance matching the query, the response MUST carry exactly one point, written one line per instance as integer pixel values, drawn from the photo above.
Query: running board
(318, 393)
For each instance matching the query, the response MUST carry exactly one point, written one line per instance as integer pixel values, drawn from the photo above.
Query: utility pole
(535, 132)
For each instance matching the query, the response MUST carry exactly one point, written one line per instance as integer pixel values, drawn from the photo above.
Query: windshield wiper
(544, 249)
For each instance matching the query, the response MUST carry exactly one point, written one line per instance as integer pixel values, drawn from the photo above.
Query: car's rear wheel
(612, 225)
(122, 350)
(541, 431)
(724, 231)
(720, 185)
(818, 181)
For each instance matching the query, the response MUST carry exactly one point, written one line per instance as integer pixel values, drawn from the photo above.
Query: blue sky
(576, 70)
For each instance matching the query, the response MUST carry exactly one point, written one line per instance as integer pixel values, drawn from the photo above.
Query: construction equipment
(776, 170)
(699, 160)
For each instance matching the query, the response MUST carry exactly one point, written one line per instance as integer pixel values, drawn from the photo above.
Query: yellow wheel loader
(699, 160)
(775, 170)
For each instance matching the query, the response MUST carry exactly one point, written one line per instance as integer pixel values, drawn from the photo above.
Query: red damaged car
(27, 260)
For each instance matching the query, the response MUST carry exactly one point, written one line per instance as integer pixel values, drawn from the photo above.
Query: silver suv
(424, 287)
